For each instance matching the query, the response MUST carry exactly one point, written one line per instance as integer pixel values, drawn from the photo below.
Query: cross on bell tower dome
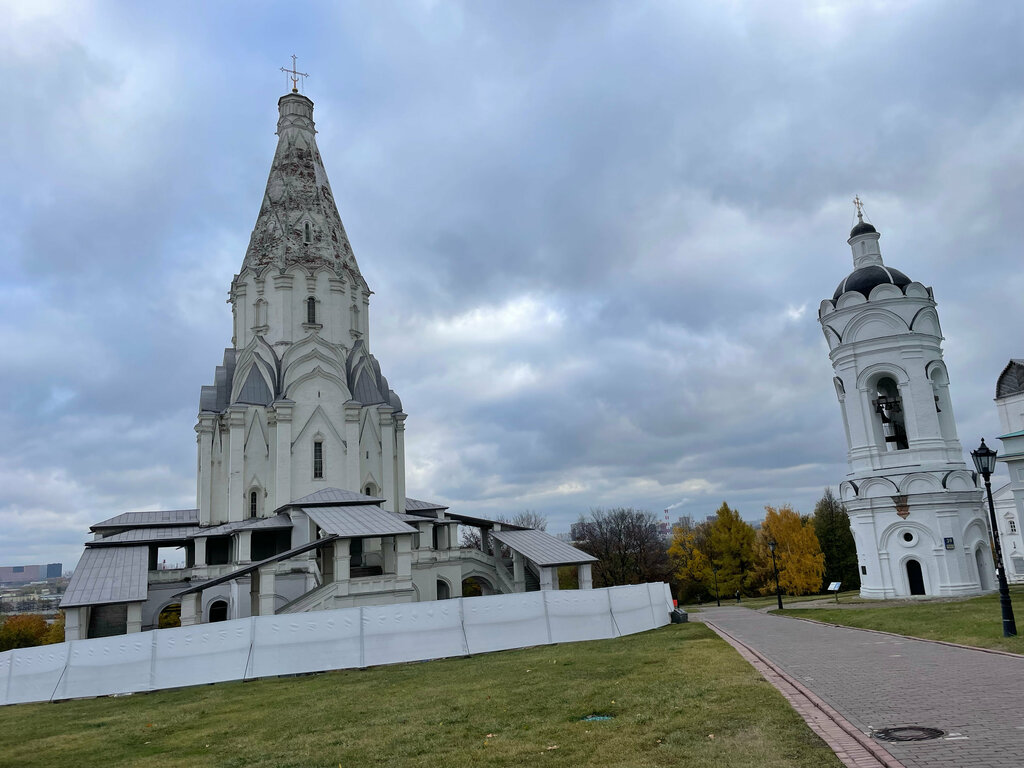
(914, 506)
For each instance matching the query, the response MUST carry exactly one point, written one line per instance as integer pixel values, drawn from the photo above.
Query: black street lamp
(714, 570)
(775, 567)
(985, 462)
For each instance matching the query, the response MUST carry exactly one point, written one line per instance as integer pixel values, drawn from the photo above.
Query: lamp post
(985, 463)
(714, 570)
(775, 567)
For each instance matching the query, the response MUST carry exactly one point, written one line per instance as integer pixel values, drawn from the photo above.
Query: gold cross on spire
(860, 207)
(294, 75)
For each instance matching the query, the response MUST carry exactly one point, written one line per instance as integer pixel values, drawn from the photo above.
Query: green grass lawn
(765, 601)
(972, 621)
(679, 696)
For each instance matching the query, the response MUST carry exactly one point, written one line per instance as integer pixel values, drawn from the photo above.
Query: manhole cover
(908, 733)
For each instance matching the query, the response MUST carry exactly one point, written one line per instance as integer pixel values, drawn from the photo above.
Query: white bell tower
(914, 506)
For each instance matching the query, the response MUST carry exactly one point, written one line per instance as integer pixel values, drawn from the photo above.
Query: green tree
(721, 551)
(22, 630)
(832, 527)
(797, 553)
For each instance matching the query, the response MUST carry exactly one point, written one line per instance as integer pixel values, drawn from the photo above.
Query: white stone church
(915, 507)
(301, 502)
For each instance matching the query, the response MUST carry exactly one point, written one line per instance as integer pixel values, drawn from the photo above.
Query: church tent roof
(542, 548)
(109, 575)
(357, 521)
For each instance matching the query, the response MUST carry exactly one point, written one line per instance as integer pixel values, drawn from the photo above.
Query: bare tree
(525, 519)
(529, 519)
(628, 544)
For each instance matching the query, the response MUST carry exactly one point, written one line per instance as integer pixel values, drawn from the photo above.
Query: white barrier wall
(264, 646)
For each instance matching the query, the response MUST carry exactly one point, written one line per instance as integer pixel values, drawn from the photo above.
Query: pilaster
(244, 543)
(403, 556)
(236, 462)
(281, 308)
(352, 457)
(205, 429)
(191, 609)
(282, 411)
(399, 419)
(387, 459)
(268, 578)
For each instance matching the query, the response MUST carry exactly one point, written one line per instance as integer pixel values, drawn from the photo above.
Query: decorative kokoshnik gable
(301, 501)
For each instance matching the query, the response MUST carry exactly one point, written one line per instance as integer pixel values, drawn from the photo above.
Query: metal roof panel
(542, 548)
(357, 521)
(109, 575)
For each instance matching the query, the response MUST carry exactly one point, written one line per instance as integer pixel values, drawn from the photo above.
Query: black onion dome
(866, 278)
(862, 228)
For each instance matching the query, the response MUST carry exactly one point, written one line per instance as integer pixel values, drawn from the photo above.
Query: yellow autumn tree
(797, 553)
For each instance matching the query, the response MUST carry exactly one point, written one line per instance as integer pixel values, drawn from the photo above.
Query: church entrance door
(979, 559)
(915, 578)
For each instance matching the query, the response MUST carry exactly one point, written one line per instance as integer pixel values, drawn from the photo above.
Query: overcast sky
(597, 233)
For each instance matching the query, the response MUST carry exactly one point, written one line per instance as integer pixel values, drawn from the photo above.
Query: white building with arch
(1009, 498)
(915, 507)
(300, 498)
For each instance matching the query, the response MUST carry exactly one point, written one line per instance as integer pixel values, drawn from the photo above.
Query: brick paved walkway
(878, 681)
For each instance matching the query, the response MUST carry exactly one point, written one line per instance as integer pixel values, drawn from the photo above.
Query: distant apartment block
(23, 574)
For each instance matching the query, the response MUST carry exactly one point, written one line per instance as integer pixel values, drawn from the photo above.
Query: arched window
(218, 611)
(260, 313)
(889, 407)
(318, 460)
(311, 310)
(253, 503)
(307, 233)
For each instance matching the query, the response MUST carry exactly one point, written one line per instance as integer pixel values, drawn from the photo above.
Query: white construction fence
(265, 646)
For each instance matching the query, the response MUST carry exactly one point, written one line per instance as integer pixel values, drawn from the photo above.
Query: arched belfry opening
(888, 408)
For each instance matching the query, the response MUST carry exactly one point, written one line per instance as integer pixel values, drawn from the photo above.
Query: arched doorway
(475, 586)
(218, 611)
(443, 590)
(983, 576)
(169, 617)
(915, 578)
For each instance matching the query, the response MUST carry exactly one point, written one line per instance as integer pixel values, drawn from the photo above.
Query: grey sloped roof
(485, 522)
(147, 536)
(411, 518)
(1011, 380)
(255, 390)
(415, 505)
(277, 521)
(220, 530)
(150, 519)
(357, 521)
(218, 397)
(108, 575)
(542, 548)
(263, 523)
(336, 496)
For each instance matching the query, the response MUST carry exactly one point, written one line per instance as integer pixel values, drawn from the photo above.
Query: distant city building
(23, 574)
(301, 502)
(915, 507)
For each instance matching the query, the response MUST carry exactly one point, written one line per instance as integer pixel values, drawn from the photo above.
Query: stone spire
(298, 222)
